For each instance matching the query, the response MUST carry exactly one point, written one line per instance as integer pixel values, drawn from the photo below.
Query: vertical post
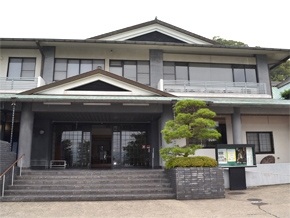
(20, 167)
(12, 176)
(152, 158)
(3, 186)
(237, 126)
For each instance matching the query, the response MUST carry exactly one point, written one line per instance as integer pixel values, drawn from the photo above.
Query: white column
(26, 133)
(237, 126)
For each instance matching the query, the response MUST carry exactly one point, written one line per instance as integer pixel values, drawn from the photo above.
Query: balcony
(213, 89)
(20, 84)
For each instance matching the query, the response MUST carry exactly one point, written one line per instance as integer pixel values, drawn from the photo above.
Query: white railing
(213, 87)
(20, 83)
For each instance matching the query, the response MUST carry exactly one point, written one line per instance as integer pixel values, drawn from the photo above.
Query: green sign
(236, 155)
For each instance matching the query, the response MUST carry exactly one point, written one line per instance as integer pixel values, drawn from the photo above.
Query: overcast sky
(263, 23)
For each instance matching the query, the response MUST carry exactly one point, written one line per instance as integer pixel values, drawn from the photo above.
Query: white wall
(19, 53)
(264, 174)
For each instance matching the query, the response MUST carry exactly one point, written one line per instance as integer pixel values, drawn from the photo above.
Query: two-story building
(103, 101)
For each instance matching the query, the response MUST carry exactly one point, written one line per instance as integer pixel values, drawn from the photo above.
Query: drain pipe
(12, 121)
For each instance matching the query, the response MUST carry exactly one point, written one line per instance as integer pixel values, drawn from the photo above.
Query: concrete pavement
(266, 201)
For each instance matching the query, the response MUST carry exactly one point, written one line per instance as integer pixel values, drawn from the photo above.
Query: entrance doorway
(101, 146)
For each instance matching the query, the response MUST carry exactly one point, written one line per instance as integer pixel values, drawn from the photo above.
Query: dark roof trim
(155, 21)
(90, 73)
(281, 84)
(280, 62)
(135, 42)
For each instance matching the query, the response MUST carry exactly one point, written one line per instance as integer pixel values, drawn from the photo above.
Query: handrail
(6, 171)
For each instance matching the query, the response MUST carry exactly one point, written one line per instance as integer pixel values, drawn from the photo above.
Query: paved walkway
(267, 201)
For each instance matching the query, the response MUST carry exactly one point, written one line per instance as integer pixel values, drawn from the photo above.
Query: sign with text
(236, 155)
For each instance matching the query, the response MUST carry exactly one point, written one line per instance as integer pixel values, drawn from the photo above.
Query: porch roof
(232, 102)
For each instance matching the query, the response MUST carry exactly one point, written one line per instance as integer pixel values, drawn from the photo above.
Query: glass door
(101, 146)
(72, 144)
(130, 146)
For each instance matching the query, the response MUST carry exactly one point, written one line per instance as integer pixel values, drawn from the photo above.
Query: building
(102, 101)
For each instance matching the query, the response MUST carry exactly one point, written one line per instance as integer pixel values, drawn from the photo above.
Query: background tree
(192, 120)
(229, 42)
(279, 73)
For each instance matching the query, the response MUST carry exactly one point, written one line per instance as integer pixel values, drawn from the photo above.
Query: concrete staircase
(89, 185)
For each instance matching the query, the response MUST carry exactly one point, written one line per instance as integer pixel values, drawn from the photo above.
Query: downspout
(12, 120)
(42, 57)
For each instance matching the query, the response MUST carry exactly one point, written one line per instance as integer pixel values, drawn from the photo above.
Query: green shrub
(286, 94)
(197, 161)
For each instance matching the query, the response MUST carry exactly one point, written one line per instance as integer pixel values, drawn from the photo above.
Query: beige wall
(279, 125)
(209, 59)
(19, 53)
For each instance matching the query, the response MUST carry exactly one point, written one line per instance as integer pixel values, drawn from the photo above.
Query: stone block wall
(197, 182)
(6, 159)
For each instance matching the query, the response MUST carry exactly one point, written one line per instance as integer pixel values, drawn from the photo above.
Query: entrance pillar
(154, 144)
(26, 133)
(237, 126)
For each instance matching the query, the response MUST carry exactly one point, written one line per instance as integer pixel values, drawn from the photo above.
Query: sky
(263, 23)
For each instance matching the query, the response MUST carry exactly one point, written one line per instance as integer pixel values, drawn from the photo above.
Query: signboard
(236, 155)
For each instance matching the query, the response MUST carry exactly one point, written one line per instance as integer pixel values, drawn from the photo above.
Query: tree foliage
(286, 94)
(281, 72)
(229, 42)
(192, 120)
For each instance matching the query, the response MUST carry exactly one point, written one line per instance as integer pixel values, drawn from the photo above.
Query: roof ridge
(155, 21)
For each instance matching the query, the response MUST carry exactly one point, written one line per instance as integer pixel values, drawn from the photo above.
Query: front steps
(89, 185)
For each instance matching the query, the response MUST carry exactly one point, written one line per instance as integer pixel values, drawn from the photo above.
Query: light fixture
(98, 104)
(132, 104)
(41, 132)
(57, 103)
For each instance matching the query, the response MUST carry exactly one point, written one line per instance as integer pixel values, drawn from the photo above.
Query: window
(263, 141)
(21, 67)
(208, 72)
(65, 68)
(211, 143)
(244, 73)
(133, 70)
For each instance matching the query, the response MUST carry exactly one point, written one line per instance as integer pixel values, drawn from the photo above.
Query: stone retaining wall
(6, 159)
(197, 182)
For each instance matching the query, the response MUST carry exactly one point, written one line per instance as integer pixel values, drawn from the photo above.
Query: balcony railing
(20, 83)
(213, 87)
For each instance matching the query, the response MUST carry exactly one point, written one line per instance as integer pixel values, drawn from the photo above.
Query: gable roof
(154, 23)
(92, 74)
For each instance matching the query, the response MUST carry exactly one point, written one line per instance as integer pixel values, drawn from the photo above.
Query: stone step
(88, 181)
(106, 197)
(127, 176)
(88, 186)
(90, 172)
(116, 191)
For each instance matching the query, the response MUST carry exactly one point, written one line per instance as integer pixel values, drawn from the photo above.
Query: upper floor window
(208, 72)
(263, 141)
(65, 68)
(134, 70)
(244, 73)
(21, 67)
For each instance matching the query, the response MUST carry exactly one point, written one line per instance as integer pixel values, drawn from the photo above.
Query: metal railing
(6, 171)
(19, 83)
(214, 87)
